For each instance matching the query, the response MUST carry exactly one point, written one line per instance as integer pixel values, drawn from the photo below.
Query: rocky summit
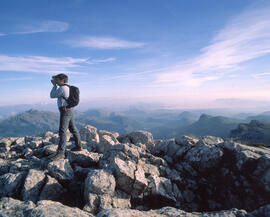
(133, 175)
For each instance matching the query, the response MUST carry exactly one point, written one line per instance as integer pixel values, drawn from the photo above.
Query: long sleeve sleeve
(56, 92)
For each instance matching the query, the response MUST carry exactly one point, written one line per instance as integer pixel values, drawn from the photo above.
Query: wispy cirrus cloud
(261, 75)
(107, 60)
(38, 27)
(245, 37)
(43, 26)
(48, 65)
(103, 43)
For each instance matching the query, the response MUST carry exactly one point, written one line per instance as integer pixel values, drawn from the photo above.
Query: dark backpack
(74, 96)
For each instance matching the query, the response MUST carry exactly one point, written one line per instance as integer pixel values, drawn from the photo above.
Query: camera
(53, 80)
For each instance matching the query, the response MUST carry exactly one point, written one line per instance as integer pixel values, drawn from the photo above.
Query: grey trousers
(67, 122)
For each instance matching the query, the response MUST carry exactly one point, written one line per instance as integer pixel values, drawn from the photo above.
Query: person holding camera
(67, 97)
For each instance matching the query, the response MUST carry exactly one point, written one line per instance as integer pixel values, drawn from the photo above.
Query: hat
(60, 76)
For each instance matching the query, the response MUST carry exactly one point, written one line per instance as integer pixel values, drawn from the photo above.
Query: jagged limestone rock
(61, 170)
(47, 208)
(99, 182)
(138, 137)
(52, 190)
(204, 155)
(10, 207)
(89, 134)
(188, 173)
(106, 141)
(10, 183)
(33, 183)
(83, 158)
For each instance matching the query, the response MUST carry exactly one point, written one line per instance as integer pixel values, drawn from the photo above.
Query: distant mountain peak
(205, 117)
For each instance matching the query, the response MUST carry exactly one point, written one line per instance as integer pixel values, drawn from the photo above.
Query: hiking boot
(58, 156)
(76, 148)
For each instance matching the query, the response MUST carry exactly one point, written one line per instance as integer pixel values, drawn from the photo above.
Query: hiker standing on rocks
(67, 97)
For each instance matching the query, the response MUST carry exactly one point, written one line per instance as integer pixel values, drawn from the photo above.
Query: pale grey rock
(5, 143)
(20, 140)
(127, 213)
(28, 139)
(121, 200)
(204, 155)
(243, 153)
(124, 174)
(162, 186)
(173, 212)
(123, 151)
(161, 146)
(21, 165)
(47, 208)
(169, 211)
(106, 141)
(138, 137)
(105, 132)
(210, 140)
(154, 160)
(35, 144)
(52, 190)
(89, 134)
(99, 182)
(61, 170)
(186, 140)
(33, 183)
(48, 150)
(140, 183)
(149, 169)
(10, 184)
(10, 207)
(185, 144)
(83, 158)
(99, 202)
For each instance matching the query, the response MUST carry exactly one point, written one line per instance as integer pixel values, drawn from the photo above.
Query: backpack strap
(69, 87)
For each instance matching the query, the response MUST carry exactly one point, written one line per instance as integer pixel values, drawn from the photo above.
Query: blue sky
(188, 53)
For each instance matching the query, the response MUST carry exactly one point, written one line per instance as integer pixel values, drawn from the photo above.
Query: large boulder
(83, 158)
(205, 155)
(61, 170)
(32, 185)
(106, 141)
(52, 190)
(10, 184)
(137, 138)
(99, 182)
(164, 188)
(99, 190)
(172, 212)
(47, 208)
(89, 134)
(10, 207)
(6, 143)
